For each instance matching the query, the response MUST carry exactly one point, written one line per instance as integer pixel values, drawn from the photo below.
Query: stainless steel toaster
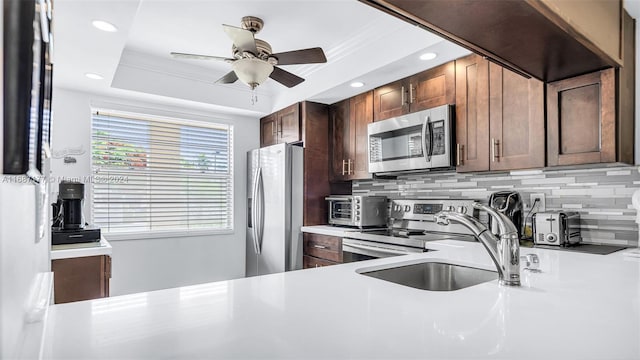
(560, 228)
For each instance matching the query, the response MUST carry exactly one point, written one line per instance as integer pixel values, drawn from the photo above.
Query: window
(154, 174)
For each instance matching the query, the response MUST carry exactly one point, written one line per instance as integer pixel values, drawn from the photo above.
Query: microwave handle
(427, 141)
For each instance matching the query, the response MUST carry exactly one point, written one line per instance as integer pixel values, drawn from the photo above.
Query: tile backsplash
(601, 195)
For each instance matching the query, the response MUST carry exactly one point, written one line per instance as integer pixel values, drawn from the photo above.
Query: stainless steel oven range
(412, 227)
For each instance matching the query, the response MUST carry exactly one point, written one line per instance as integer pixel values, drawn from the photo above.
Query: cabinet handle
(495, 150)
(402, 96)
(410, 93)
(320, 246)
(344, 163)
(349, 167)
(460, 160)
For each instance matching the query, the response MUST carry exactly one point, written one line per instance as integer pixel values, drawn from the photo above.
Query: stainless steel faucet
(504, 249)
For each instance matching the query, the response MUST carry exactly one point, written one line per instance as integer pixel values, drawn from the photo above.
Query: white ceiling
(361, 43)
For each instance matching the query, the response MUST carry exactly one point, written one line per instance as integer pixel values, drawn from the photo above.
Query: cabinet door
(268, 131)
(289, 124)
(83, 278)
(390, 100)
(361, 115)
(516, 120)
(581, 117)
(433, 87)
(309, 262)
(340, 139)
(472, 114)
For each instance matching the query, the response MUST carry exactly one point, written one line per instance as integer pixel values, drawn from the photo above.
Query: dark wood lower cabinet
(321, 250)
(81, 278)
(313, 262)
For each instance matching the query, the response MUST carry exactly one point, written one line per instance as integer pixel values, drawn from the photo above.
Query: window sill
(125, 236)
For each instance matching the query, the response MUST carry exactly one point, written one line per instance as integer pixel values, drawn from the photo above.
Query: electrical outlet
(541, 205)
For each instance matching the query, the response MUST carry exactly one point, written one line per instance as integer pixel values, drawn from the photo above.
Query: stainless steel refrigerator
(275, 192)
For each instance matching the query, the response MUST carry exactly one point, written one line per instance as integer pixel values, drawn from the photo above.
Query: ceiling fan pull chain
(254, 96)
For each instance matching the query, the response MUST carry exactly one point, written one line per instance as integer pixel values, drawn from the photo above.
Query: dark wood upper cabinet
(581, 119)
(499, 118)
(516, 120)
(391, 100)
(433, 87)
(424, 90)
(472, 114)
(281, 127)
(350, 118)
(268, 130)
(547, 39)
(361, 115)
(289, 124)
(340, 139)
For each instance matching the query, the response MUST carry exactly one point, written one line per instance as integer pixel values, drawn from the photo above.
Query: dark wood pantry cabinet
(349, 120)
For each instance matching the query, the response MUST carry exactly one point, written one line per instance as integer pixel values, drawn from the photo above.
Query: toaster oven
(558, 228)
(357, 210)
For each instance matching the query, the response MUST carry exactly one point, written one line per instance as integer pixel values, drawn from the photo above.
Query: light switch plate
(541, 205)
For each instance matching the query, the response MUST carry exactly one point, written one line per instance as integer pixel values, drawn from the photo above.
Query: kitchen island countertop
(579, 307)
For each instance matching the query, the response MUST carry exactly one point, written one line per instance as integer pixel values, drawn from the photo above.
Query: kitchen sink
(434, 276)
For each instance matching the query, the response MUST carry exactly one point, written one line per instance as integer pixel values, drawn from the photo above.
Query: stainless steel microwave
(413, 142)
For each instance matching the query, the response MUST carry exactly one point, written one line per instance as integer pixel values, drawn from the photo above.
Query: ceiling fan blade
(199, 57)
(285, 78)
(229, 78)
(242, 39)
(303, 56)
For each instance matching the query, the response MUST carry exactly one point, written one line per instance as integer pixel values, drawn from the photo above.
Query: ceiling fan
(252, 59)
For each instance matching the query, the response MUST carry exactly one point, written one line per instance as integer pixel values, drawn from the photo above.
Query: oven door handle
(373, 249)
(329, 198)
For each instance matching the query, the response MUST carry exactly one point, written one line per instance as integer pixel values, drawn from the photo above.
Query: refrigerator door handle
(254, 210)
(260, 230)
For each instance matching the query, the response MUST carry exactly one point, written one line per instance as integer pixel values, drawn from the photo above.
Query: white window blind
(153, 174)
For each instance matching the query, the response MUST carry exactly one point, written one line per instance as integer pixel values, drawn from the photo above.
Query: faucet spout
(504, 251)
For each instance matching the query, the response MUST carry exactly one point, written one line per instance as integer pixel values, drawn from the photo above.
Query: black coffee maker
(68, 209)
(510, 204)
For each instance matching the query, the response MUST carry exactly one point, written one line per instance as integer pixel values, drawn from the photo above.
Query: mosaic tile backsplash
(601, 195)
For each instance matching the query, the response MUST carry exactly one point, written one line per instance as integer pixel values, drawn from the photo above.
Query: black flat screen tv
(25, 57)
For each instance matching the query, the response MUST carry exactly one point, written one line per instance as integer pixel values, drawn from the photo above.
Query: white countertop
(580, 306)
(81, 250)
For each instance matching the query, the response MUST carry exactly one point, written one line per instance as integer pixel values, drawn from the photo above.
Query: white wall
(22, 259)
(151, 264)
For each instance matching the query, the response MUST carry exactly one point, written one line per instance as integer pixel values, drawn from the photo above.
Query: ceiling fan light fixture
(251, 71)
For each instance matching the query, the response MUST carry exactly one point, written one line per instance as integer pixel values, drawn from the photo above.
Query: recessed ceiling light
(428, 56)
(104, 26)
(94, 76)
(357, 84)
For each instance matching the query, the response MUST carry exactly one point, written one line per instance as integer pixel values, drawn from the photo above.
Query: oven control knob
(451, 208)
(407, 208)
(357, 207)
(358, 214)
(462, 209)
